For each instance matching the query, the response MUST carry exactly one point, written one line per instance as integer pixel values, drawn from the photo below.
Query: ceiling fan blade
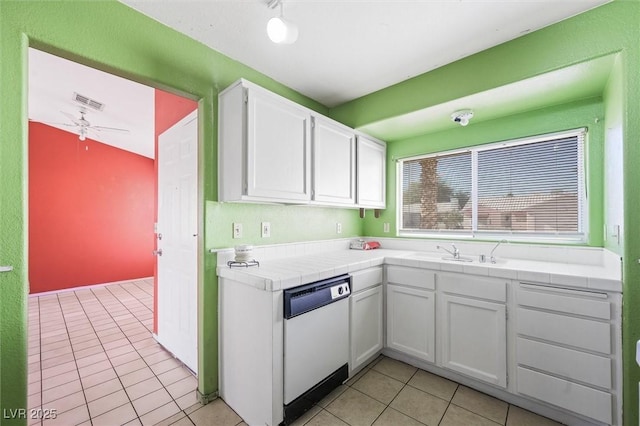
(72, 118)
(108, 129)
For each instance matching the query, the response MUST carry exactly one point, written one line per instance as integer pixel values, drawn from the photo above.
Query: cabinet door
(372, 160)
(411, 321)
(334, 163)
(473, 338)
(278, 143)
(366, 325)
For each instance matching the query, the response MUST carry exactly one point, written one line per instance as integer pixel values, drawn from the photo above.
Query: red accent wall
(169, 109)
(91, 211)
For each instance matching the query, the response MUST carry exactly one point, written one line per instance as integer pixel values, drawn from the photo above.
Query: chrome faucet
(493, 259)
(455, 253)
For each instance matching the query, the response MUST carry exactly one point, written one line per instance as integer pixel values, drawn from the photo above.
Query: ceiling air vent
(86, 101)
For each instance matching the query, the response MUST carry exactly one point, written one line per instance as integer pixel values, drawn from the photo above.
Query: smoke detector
(462, 117)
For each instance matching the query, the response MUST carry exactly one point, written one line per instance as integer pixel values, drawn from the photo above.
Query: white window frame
(580, 237)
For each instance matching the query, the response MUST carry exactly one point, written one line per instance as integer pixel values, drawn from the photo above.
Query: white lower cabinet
(567, 350)
(366, 326)
(472, 327)
(411, 312)
(366, 317)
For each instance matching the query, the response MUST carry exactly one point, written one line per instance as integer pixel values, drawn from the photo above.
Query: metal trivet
(244, 264)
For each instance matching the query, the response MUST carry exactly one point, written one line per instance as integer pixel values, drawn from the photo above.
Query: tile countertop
(287, 272)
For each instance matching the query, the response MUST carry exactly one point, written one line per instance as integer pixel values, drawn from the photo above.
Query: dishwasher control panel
(340, 290)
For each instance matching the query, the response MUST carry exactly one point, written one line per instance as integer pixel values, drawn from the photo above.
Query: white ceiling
(349, 48)
(128, 105)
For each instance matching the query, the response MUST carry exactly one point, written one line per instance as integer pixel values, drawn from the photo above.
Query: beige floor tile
(98, 378)
(59, 392)
(33, 388)
(103, 389)
(185, 421)
(52, 362)
(420, 405)
(121, 350)
(72, 417)
(68, 402)
(143, 388)
(91, 369)
(357, 377)
(176, 418)
(150, 349)
(435, 385)
(55, 345)
(60, 379)
(86, 344)
(115, 344)
(140, 336)
(34, 400)
(92, 350)
(59, 369)
(303, 419)
(391, 417)
(519, 417)
(215, 413)
(145, 344)
(159, 414)
(129, 367)
(54, 353)
(482, 404)
(136, 376)
(166, 365)
(174, 375)
(118, 416)
(457, 416)
(396, 369)
(151, 401)
(189, 402)
(325, 418)
(134, 422)
(356, 408)
(108, 403)
(124, 358)
(379, 386)
(157, 357)
(91, 359)
(332, 396)
(182, 387)
(112, 337)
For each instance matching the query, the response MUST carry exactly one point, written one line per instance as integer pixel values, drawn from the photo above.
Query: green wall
(108, 35)
(114, 38)
(610, 29)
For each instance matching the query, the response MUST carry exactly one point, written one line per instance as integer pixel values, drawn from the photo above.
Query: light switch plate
(237, 230)
(339, 228)
(386, 227)
(266, 229)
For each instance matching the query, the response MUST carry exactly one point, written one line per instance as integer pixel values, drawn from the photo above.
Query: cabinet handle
(6, 268)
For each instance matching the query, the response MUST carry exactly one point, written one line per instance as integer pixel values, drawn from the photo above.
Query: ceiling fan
(83, 126)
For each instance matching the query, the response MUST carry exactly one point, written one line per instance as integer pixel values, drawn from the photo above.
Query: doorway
(89, 235)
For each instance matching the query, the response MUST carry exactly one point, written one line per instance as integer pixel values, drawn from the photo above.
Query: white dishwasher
(316, 342)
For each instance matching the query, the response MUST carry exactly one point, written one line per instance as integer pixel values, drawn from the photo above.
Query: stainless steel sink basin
(457, 259)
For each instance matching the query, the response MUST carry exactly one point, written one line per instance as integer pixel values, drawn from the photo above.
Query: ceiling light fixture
(462, 117)
(279, 29)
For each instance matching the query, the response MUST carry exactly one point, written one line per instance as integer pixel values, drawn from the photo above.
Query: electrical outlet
(339, 228)
(386, 227)
(266, 229)
(237, 230)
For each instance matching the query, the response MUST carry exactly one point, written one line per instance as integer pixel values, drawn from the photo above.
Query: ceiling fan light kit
(279, 29)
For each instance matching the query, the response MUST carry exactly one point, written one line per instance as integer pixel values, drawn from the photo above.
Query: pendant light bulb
(282, 31)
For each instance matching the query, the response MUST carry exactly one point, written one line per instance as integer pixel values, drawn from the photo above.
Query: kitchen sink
(457, 259)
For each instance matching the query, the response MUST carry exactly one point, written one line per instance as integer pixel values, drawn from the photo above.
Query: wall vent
(86, 101)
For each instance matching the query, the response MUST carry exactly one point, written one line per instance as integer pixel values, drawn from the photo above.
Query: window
(530, 188)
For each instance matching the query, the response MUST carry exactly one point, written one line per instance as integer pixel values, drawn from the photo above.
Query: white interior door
(177, 239)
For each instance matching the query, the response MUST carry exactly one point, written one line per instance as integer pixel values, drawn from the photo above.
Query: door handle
(6, 268)
(157, 252)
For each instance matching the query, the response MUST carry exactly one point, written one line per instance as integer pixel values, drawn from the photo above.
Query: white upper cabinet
(264, 147)
(334, 162)
(371, 166)
(269, 151)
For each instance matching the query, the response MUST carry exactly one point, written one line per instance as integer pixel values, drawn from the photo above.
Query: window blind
(527, 187)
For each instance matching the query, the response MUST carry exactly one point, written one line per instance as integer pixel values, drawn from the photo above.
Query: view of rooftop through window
(528, 188)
